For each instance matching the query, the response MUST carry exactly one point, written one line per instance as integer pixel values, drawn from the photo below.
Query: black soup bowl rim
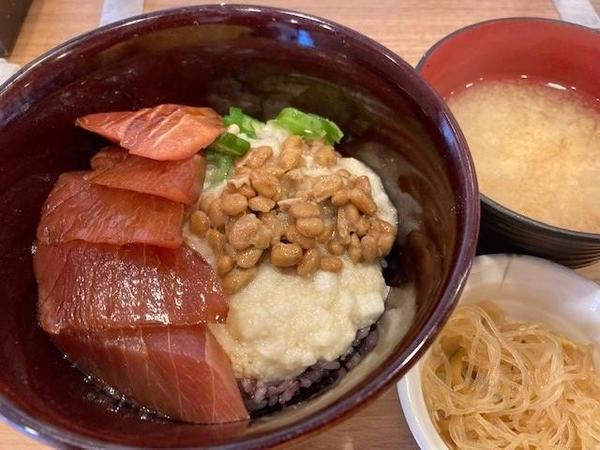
(466, 193)
(501, 20)
(581, 236)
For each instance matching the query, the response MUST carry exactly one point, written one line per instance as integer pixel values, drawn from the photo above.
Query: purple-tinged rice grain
(263, 398)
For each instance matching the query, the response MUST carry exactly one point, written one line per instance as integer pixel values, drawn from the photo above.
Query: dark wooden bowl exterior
(260, 59)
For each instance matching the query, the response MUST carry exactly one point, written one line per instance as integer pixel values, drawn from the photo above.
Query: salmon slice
(166, 132)
(83, 286)
(78, 209)
(178, 181)
(181, 372)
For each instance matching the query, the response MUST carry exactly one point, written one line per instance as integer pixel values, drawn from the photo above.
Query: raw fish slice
(83, 286)
(78, 209)
(179, 181)
(181, 372)
(165, 132)
(108, 157)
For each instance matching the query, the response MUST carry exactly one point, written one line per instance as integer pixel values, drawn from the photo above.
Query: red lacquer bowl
(260, 59)
(550, 50)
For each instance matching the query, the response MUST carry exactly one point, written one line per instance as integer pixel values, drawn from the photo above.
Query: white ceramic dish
(526, 288)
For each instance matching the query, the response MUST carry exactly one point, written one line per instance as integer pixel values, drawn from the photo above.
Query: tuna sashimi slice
(179, 181)
(83, 286)
(165, 132)
(79, 209)
(108, 157)
(181, 372)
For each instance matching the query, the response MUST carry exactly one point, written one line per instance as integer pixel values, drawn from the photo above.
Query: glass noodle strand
(491, 383)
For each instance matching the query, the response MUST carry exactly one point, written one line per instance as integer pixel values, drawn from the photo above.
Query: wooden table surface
(409, 28)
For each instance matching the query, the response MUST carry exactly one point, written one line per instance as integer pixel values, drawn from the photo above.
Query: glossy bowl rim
(409, 389)
(580, 236)
(463, 252)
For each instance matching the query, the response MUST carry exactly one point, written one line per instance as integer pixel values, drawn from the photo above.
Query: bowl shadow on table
(260, 73)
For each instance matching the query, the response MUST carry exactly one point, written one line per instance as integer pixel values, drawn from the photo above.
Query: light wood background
(408, 27)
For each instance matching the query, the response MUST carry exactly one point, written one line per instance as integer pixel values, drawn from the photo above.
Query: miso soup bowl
(555, 51)
(260, 59)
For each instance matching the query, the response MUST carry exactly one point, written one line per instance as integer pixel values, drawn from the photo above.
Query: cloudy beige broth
(536, 150)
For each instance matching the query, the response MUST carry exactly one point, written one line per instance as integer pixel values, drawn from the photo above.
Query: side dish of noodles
(494, 383)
